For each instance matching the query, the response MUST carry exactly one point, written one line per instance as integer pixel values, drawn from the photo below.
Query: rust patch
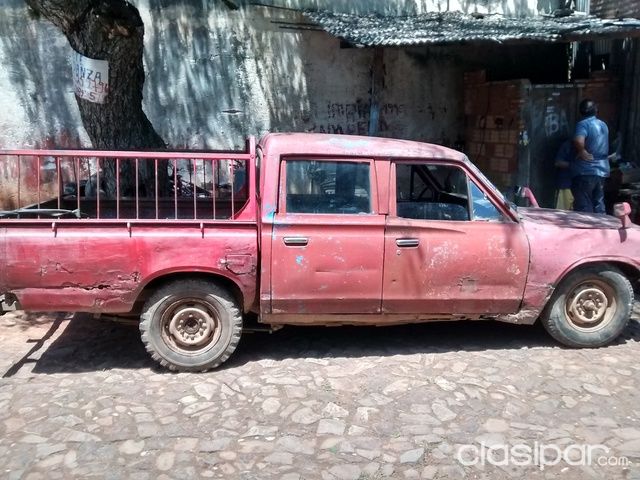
(468, 285)
(53, 267)
(523, 317)
(99, 286)
(62, 268)
(132, 277)
(239, 264)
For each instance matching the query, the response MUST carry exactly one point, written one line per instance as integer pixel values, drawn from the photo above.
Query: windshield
(490, 185)
(485, 180)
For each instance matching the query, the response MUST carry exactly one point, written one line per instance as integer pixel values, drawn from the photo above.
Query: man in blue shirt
(591, 167)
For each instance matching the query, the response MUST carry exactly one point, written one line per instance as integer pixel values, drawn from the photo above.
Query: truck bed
(69, 246)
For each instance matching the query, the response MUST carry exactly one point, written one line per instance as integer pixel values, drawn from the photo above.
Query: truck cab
(383, 231)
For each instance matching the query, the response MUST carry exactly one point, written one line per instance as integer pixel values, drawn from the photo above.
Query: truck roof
(352, 145)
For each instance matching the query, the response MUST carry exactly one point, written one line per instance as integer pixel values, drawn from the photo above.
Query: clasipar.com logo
(542, 455)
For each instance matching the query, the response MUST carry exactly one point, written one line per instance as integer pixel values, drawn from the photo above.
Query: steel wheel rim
(190, 326)
(591, 305)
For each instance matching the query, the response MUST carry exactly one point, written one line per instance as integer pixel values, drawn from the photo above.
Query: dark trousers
(588, 193)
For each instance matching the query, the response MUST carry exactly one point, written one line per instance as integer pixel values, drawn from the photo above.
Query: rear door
(448, 248)
(328, 239)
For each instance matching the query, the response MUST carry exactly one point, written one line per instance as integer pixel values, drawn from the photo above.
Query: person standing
(564, 158)
(591, 141)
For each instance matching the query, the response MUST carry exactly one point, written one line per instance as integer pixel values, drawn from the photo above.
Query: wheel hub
(191, 326)
(588, 306)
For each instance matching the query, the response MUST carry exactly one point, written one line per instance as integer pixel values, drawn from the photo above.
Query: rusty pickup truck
(302, 229)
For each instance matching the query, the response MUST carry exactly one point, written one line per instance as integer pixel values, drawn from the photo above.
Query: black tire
(191, 325)
(590, 308)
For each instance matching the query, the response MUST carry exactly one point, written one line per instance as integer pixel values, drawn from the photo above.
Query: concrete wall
(215, 75)
(36, 93)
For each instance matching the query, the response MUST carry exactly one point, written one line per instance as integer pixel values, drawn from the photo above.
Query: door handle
(295, 241)
(407, 242)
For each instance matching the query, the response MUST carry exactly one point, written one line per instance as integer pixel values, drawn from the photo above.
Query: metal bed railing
(128, 185)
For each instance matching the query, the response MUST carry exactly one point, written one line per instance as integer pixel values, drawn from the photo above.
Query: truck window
(328, 187)
(431, 192)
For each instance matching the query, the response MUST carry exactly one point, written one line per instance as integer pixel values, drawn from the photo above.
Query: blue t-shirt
(596, 142)
(566, 153)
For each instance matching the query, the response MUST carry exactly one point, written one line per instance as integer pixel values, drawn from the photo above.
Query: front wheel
(590, 308)
(191, 325)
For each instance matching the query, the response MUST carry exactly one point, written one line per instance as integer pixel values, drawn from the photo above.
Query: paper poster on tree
(90, 78)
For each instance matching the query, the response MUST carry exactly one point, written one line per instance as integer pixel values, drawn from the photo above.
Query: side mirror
(525, 192)
(622, 211)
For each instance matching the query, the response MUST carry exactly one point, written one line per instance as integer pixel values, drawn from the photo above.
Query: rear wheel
(590, 308)
(191, 325)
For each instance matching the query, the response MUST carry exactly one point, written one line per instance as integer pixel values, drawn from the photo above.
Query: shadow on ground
(88, 344)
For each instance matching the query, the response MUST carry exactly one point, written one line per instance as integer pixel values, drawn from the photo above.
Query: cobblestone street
(81, 398)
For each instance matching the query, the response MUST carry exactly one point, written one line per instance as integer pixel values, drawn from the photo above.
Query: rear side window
(328, 187)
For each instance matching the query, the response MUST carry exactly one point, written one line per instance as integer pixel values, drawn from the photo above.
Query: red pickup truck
(326, 230)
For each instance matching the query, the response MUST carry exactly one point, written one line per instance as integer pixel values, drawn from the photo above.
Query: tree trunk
(112, 30)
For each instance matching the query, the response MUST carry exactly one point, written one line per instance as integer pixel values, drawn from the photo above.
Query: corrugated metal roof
(454, 27)
(615, 8)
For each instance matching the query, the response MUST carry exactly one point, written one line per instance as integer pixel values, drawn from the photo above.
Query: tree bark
(112, 30)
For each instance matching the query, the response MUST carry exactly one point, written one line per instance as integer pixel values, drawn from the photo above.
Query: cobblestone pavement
(80, 398)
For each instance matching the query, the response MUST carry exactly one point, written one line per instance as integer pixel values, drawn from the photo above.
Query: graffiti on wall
(555, 121)
(353, 118)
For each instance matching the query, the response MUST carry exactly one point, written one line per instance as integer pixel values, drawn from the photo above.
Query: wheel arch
(170, 277)
(628, 269)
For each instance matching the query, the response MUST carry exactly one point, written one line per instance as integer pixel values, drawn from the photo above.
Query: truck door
(328, 239)
(449, 249)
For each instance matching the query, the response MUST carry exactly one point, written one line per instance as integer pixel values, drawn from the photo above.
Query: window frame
(393, 193)
(282, 184)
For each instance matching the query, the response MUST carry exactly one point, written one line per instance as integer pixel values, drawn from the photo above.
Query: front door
(327, 240)
(448, 248)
